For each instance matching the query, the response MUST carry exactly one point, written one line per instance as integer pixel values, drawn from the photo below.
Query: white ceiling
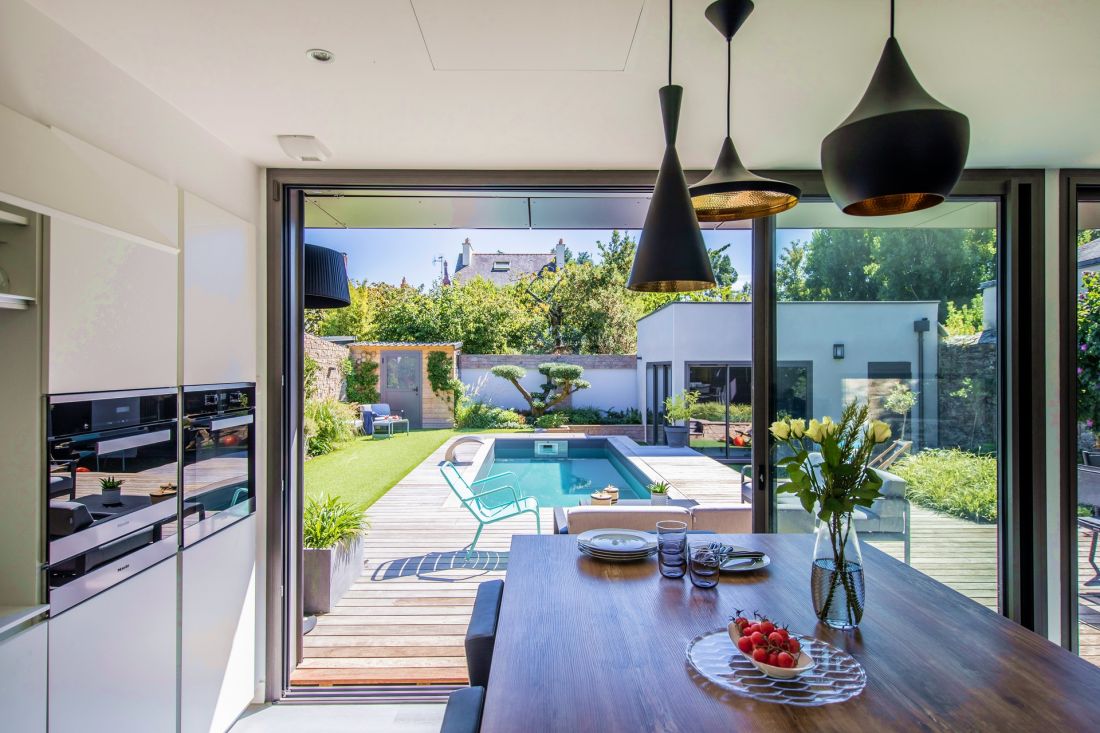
(1026, 73)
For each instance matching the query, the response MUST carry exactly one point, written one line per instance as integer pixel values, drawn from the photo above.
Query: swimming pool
(579, 468)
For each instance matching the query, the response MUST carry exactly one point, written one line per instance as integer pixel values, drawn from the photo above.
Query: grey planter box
(676, 436)
(327, 575)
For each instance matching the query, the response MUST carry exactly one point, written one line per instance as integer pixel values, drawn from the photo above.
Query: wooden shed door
(401, 377)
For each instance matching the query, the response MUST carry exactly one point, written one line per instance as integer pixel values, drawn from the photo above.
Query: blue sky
(387, 255)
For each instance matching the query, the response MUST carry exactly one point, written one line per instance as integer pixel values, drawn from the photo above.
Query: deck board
(404, 620)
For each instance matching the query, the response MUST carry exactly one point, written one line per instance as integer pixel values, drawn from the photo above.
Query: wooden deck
(404, 620)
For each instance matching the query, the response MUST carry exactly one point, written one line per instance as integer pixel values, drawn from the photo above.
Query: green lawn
(366, 468)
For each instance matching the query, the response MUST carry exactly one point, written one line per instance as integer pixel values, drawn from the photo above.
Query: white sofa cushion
(722, 518)
(642, 518)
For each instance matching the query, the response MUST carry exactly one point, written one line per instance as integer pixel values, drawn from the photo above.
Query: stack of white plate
(617, 545)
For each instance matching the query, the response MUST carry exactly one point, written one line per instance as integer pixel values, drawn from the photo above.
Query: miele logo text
(124, 567)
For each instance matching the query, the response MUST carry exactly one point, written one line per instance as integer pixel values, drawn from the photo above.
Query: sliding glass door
(1085, 362)
(901, 313)
(722, 422)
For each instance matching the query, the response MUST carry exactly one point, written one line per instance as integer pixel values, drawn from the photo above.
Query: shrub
(716, 412)
(472, 415)
(952, 481)
(328, 423)
(551, 420)
(681, 407)
(441, 376)
(329, 521)
(310, 367)
(596, 416)
(362, 380)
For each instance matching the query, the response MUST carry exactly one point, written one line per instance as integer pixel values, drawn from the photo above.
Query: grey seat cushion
(481, 634)
(463, 713)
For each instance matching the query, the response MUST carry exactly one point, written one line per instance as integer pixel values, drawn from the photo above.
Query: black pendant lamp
(731, 192)
(325, 278)
(671, 256)
(900, 150)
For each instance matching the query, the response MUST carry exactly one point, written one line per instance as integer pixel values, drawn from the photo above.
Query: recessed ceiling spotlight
(320, 54)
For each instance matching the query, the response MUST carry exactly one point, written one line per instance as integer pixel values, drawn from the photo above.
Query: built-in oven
(219, 422)
(111, 489)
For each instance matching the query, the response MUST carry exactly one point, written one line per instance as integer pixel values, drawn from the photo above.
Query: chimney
(559, 255)
(446, 276)
(467, 254)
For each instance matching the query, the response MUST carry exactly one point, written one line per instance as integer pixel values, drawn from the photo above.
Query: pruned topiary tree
(562, 380)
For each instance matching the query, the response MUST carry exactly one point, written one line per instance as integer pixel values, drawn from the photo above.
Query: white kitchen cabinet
(112, 310)
(23, 680)
(218, 650)
(112, 659)
(219, 295)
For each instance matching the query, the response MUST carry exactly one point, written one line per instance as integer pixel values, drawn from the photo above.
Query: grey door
(401, 377)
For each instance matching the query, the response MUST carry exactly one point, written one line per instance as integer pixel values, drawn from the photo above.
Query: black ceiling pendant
(325, 278)
(900, 150)
(731, 192)
(671, 255)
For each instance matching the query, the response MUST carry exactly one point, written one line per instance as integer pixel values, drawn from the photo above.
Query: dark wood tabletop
(584, 645)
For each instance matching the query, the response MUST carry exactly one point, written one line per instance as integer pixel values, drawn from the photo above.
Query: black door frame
(1021, 262)
(1070, 184)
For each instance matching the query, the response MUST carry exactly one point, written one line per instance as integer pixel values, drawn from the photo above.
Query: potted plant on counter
(110, 488)
(658, 493)
(678, 411)
(332, 538)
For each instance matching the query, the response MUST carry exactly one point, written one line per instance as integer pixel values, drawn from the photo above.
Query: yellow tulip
(781, 429)
(798, 427)
(815, 432)
(880, 431)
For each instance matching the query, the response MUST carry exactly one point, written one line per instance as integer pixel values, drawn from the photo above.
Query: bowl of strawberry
(772, 649)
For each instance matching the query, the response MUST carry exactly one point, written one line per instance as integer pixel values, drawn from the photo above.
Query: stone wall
(330, 357)
(967, 393)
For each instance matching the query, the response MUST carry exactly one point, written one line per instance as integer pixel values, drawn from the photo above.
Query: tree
(562, 380)
(1088, 351)
(790, 273)
(967, 319)
(725, 275)
(900, 401)
(1084, 236)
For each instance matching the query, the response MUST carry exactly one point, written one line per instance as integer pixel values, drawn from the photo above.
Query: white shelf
(15, 302)
(13, 616)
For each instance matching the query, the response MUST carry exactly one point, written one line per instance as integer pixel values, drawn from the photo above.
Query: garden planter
(111, 497)
(327, 575)
(676, 436)
(1091, 457)
(658, 499)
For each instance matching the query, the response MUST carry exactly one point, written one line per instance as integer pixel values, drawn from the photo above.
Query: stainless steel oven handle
(232, 422)
(104, 447)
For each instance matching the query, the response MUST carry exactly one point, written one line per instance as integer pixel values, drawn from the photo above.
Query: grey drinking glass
(703, 563)
(672, 548)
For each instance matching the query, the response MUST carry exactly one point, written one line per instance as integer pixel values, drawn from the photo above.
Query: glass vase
(836, 579)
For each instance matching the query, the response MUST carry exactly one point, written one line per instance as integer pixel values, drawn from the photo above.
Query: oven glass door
(218, 483)
(112, 508)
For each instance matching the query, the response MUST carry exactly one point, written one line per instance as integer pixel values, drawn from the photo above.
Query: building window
(501, 266)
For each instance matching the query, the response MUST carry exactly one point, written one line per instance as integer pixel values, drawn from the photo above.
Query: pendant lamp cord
(729, 83)
(670, 42)
(891, 18)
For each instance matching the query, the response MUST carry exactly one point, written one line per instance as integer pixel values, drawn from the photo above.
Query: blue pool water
(564, 481)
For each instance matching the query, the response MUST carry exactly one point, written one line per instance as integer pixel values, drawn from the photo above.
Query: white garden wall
(613, 378)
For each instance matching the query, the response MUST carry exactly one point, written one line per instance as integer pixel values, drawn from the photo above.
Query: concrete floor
(332, 718)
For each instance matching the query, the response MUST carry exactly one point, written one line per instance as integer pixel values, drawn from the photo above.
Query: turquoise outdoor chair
(489, 505)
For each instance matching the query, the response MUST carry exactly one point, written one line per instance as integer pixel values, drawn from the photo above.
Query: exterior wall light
(838, 351)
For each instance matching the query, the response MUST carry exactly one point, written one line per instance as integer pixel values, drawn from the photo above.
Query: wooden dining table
(585, 645)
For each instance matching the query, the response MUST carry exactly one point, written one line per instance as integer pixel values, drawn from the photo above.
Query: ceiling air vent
(304, 148)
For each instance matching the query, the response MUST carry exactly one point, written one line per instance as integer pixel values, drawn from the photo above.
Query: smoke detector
(304, 148)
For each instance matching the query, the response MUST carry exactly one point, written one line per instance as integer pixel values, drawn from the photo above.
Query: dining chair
(481, 634)
(489, 505)
(463, 711)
